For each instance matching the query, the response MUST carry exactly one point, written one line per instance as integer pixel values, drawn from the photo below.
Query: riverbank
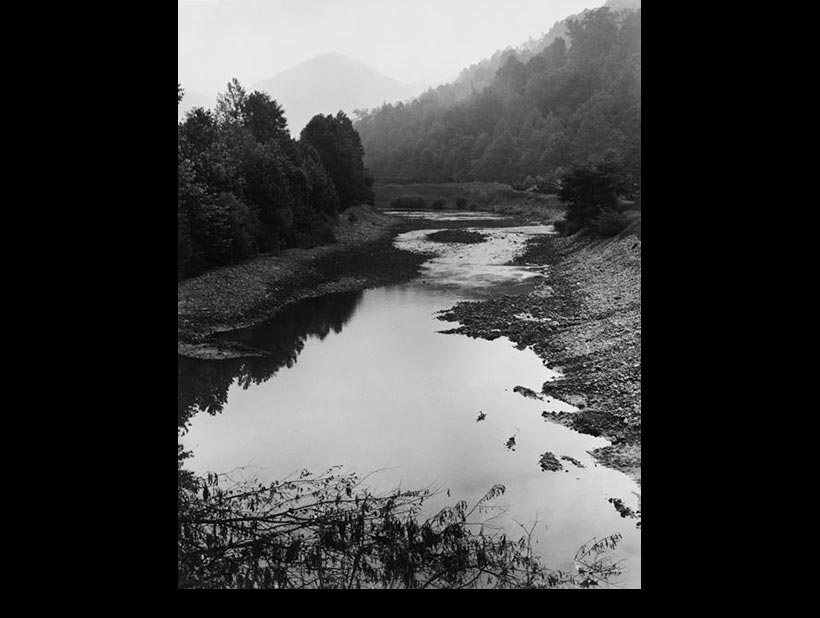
(584, 321)
(491, 197)
(244, 294)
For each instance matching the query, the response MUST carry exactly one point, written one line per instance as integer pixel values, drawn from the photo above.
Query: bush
(461, 203)
(589, 192)
(408, 202)
(473, 206)
(245, 535)
(566, 228)
(609, 223)
(439, 204)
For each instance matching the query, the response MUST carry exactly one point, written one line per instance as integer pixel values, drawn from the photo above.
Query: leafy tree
(589, 192)
(230, 104)
(322, 193)
(244, 185)
(264, 117)
(340, 149)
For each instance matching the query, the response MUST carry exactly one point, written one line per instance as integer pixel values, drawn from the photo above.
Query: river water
(366, 380)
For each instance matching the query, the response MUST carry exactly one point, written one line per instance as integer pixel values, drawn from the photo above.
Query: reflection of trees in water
(203, 384)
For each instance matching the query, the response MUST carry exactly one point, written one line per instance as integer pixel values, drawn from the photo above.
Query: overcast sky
(410, 40)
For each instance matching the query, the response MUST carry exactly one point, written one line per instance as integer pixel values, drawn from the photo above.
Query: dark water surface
(365, 380)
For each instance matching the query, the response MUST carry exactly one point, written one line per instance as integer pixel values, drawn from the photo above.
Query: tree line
(577, 103)
(245, 186)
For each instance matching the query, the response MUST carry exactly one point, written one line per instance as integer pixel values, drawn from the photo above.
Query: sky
(413, 41)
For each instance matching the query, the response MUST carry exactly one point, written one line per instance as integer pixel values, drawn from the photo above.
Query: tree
(264, 117)
(340, 149)
(589, 192)
(520, 113)
(230, 104)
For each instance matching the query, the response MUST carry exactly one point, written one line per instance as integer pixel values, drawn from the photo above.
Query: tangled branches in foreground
(326, 531)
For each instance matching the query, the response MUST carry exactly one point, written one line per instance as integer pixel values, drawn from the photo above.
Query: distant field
(487, 196)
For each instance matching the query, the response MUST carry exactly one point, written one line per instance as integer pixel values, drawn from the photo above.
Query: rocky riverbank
(244, 294)
(584, 320)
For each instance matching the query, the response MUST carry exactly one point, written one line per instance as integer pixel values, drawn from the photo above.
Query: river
(368, 381)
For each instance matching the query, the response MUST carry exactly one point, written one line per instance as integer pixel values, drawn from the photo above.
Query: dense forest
(575, 103)
(244, 186)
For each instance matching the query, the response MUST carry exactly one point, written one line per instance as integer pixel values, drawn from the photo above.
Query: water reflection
(202, 385)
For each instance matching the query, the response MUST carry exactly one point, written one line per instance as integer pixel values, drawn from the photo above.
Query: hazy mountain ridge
(478, 76)
(575, 102)
(328, 83)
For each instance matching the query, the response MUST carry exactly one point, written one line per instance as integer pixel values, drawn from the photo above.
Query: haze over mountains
(329, 83)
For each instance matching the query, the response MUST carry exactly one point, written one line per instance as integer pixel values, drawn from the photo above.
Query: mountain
(478, 76)
(577, 101)
(329, 83)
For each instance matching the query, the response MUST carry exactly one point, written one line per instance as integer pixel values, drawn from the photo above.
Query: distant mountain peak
(330, 82)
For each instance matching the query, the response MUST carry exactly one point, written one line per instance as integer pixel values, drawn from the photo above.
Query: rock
(549, 462)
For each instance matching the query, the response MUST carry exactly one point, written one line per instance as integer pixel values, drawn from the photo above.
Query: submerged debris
(511, 443)
(460, 236)
(624, 510)
(573, 461)
(481, 417)
(527, 392)
(549, 462)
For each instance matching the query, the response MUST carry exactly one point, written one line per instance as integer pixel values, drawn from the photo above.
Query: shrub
(609, 223)
(560, 226)
(589, 192)
(408, 202)
(245, 535)
(461, 203)
(439, 204)
(473, 206)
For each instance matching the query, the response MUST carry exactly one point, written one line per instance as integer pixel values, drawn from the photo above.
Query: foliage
(439, 204)
(461, 203)
(589, 192)
(328, 531)
(609, 223)
(245, 186)
(340, 149)
(570, 100)
(408, 202)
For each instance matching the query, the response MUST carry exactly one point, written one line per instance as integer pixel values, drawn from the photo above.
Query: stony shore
(247, 293)
(584, 320)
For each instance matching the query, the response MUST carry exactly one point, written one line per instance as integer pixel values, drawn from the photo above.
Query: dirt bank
(483, 196)
(585, 321)
(244, 294)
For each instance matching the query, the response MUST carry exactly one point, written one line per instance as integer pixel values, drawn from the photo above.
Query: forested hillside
(575, 102)
(244, 186)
